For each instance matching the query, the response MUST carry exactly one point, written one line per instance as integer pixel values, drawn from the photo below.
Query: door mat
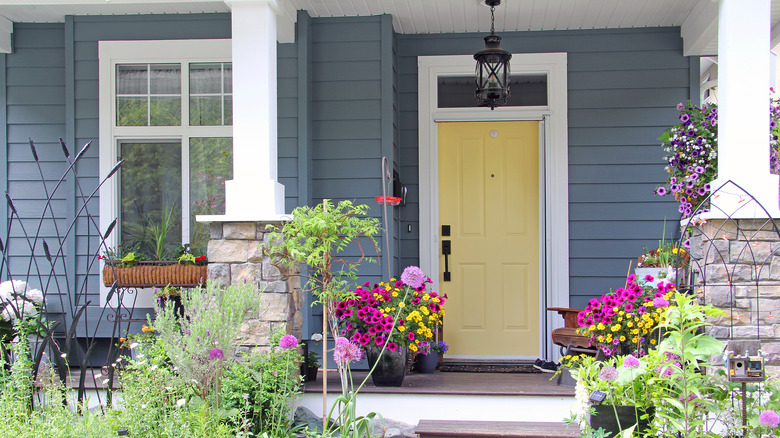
(488, 367)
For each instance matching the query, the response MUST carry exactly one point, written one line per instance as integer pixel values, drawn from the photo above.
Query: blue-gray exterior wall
(348, 96)
(50, 83)
(623, 86)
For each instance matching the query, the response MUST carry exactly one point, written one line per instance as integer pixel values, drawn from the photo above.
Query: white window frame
(553, 157)
(113, 53)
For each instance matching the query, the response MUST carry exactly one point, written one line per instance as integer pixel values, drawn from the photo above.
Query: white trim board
(554, 256)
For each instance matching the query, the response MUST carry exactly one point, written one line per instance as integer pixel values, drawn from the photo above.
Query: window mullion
(185, 189)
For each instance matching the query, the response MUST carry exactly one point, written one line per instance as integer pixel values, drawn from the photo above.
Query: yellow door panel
(489, 196)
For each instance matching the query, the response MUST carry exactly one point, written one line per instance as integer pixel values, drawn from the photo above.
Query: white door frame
(553, 162)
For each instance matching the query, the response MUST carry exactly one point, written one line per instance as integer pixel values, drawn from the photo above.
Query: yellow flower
(615, 309)
(615, 327)
(436, 300)
(601, 338)
(635, 339)
(401, 328)
(601, 326)
(401, 305)
(652, 341)
(426, 297)
(146, 328)
(629, 324)
(413, 347)
(622, 338)
(620, 319)
(395, 294)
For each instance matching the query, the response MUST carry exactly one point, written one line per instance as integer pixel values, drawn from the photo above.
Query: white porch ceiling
(697, 18)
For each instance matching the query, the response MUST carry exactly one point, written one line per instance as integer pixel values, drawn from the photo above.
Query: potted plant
(312, 360)
(400, 315)
(691, 148)
(133, 269)
(429, 355)
(624, 321)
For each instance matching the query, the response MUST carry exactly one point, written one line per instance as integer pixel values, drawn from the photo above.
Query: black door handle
(446, 249)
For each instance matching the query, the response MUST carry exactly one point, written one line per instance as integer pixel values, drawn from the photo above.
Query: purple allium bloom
(608, 373)
(769, 419)
(413, 277)
(631, 362)
(216, 353)
(660, 302)
(346, 351)
(660, 191)
(288, 342)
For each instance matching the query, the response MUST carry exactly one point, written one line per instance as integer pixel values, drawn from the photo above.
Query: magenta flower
(769, 419)
(288, 342)
(216, 353)
(413, 277)
(660, 302)
(631, 362)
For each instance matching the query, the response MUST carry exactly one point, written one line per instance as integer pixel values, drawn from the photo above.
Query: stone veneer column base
(235, 254)
(738, 264)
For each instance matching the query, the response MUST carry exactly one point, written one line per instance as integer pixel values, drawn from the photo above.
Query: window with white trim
(166, 110)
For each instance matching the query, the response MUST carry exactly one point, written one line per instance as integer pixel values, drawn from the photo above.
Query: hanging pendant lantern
(492, 74)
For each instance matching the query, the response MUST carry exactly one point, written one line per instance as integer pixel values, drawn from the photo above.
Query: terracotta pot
(154, 274)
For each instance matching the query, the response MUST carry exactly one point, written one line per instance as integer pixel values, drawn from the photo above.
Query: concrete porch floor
(454, 396)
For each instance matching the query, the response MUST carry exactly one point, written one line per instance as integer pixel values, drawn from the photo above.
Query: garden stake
(325, 353)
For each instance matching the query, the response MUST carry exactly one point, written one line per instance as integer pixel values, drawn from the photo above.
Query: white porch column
(254, 193)
(743, 106)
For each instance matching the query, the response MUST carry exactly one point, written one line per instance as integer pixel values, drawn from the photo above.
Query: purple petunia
(660, 191)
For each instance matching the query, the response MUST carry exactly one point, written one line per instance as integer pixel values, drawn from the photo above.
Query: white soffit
(696, 18)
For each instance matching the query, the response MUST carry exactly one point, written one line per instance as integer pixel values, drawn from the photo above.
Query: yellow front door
(489, 200)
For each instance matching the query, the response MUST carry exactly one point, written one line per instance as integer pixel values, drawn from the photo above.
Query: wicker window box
(154, 274)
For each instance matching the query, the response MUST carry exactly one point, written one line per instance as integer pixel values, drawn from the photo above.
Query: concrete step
(494, 429)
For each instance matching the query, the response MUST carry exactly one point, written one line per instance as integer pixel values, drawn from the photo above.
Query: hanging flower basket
(154, 274)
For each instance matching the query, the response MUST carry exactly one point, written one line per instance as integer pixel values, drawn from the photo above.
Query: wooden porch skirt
(154, 274)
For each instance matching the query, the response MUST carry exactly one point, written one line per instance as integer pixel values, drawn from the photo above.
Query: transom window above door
(458, 91)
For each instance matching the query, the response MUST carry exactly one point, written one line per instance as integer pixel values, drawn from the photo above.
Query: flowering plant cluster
(20, 305)
(692, 151)
(624, 320)
(666, 255)
(367, 315)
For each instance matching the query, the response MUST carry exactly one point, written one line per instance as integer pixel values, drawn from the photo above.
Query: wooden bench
(567, 337)
(494, 429)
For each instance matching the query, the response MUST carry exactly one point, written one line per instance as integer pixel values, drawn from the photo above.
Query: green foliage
(266, 385)
(686, 387)
(212, 320)
(315, 236)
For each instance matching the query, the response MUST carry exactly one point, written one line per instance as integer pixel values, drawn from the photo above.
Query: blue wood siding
(351, 113)
(622, 89)
(34, 88)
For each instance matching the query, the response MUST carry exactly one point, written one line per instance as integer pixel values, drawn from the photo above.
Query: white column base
(250, 201)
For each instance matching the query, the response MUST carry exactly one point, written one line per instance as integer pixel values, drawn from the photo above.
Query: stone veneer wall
(738, 264)
(235, 254)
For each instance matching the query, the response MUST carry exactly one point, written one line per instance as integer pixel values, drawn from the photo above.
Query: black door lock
(446, 249)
